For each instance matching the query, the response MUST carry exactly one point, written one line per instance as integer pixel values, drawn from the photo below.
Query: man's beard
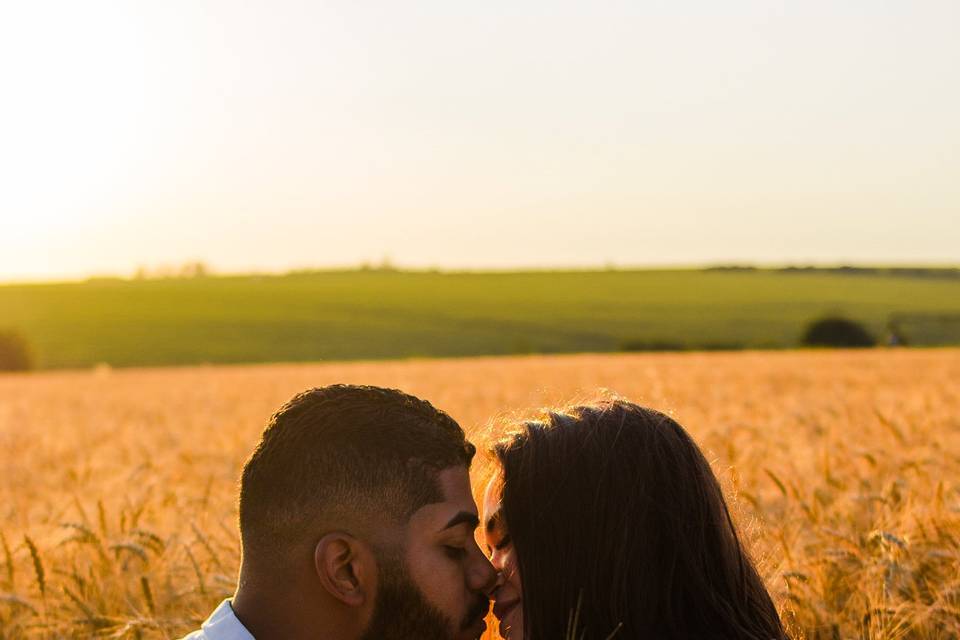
(402, 612)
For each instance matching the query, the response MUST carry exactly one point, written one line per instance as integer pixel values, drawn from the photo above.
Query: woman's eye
(503, 543)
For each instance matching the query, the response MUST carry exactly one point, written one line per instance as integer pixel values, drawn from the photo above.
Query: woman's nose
(496, 559)
(497, 583)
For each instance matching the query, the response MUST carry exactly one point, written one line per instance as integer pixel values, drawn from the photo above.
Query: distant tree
(837, 332)
(195, 269)
(15, 353)
(386, 264)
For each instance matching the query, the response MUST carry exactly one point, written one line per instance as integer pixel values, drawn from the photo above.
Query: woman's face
(507, 596)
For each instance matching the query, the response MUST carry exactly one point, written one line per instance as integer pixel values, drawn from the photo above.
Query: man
(356, 523)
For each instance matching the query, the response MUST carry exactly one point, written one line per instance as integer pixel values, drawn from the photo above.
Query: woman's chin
(510, 628)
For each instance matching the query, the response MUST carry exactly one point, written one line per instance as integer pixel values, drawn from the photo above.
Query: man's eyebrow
(464, 517)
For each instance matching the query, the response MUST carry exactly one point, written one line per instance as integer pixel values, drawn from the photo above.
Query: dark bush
(14, 352)
(651, 345)
(665, 345)
(837, 332)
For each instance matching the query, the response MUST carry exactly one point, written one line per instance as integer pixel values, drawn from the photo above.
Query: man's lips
(503, 609)
(478, 613)
(478, 628)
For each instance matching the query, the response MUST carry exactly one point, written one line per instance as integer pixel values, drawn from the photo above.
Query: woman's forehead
(492, 513)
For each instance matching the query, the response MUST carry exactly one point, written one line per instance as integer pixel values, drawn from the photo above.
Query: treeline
(200, 269)
(904, 272)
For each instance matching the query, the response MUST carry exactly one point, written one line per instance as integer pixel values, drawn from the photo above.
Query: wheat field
(117, 492)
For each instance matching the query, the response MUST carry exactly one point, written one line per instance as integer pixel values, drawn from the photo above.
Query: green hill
(391, 314)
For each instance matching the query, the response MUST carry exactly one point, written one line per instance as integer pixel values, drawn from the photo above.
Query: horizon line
(200, 269)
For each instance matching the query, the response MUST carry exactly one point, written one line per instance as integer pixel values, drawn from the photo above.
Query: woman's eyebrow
(493, 522)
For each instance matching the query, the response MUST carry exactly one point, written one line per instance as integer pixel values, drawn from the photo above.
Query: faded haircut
(338, 456)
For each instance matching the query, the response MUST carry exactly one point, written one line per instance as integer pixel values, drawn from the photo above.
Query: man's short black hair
(337, 457)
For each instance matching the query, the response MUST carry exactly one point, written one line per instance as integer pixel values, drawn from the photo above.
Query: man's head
(357, 500)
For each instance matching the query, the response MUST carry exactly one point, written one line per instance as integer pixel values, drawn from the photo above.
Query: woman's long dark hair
(616, 515)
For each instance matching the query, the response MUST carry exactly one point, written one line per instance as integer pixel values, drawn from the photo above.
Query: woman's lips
(502, 609)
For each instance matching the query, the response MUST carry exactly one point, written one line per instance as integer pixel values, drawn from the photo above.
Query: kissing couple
(601, 522)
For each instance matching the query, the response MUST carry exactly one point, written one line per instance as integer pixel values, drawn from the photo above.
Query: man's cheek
(445, 589)
(429, 573)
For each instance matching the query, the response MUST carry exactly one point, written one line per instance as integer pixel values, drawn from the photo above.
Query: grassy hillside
(383, 314)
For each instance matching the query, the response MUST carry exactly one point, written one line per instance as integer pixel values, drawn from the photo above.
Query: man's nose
(482, 576)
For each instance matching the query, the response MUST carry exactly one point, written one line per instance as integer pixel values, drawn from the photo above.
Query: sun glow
(77, 129)
(273, 135)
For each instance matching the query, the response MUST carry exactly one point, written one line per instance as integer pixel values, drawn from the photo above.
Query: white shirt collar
(223, 624)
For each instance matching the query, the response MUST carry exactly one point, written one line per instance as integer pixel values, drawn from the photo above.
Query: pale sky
(270, 135)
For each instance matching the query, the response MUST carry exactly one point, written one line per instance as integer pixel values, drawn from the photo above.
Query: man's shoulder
(222, 624)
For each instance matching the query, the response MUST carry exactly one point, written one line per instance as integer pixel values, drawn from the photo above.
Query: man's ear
(346, 567)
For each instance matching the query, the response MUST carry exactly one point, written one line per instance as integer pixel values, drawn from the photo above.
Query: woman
(606, 521)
